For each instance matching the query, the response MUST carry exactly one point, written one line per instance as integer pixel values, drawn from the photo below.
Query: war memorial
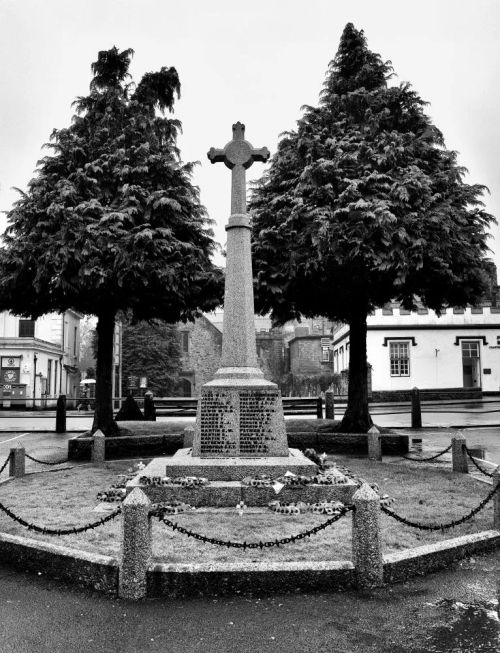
(240, 428)
(237, 456)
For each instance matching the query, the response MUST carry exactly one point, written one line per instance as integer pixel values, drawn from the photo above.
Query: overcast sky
(257, 62)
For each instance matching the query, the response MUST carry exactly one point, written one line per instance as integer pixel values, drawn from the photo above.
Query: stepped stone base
(225, 488)
(184, 463)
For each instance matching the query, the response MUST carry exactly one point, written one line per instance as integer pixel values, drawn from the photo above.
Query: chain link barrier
(483, 471)
(45, 462)
(442, 527)
(59, 531)
(250, 545)
(5, 464)
(426, 460)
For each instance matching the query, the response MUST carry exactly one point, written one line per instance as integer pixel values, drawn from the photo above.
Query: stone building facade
(201, 347)
(293, 351)
(310, 354)
(271, 354)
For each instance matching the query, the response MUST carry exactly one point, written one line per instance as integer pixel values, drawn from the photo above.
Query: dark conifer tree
(363, 204)
(152, 349)
(111, 222)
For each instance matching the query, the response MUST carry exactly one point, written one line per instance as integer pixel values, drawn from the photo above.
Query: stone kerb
(459, 454)
(17, 461)
(136, 546)
(366, 541)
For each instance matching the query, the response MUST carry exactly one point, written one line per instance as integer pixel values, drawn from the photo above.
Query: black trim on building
(405, 338)
(423, 327)
(458, 338)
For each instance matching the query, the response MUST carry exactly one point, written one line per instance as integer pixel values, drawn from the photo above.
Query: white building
(459, 349)
(39, 358)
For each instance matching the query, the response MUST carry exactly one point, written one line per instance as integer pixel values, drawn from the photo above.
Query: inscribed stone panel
(217, 436)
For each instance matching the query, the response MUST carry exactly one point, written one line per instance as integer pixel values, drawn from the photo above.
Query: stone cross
(238, 155)
(239, 357)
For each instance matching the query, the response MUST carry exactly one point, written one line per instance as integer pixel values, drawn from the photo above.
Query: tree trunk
(103, 414)
(357, 417)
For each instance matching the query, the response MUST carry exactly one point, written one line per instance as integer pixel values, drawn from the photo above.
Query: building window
(26, 328)
(75, 337)
(185, 342)
(470, 349)
(49, 376)
(400, 358)
(325, 354)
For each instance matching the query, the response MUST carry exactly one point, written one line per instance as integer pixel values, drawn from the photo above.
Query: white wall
(49, 346)
(430, 368)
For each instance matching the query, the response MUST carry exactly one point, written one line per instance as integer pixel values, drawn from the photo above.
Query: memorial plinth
(226, 486)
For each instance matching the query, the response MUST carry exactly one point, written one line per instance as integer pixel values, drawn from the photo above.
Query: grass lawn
(60, 499)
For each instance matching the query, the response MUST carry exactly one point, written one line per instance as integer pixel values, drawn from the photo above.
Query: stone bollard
(496, 500)
(136, 546)
(188, 436)
(329, 405)
(416, 412)
(98, 453)
(319, 407)
(366, 542)
(374, 444)
(458, 454)
(17, 461)
(61, 414)
(149, 407)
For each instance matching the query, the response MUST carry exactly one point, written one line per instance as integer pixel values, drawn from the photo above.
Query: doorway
(186, 387)
(471, 364)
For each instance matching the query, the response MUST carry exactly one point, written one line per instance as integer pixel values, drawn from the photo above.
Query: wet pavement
(455, 611)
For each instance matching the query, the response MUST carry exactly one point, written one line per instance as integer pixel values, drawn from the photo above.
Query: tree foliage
(152, 349)
(111, 221)
(363, 204)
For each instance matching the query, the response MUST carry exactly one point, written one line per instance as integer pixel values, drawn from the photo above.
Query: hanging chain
(442, 527)
(252, 545)
(425, 460)
(5, 463)
(483, 471)
(59, 531)
(45, 462)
